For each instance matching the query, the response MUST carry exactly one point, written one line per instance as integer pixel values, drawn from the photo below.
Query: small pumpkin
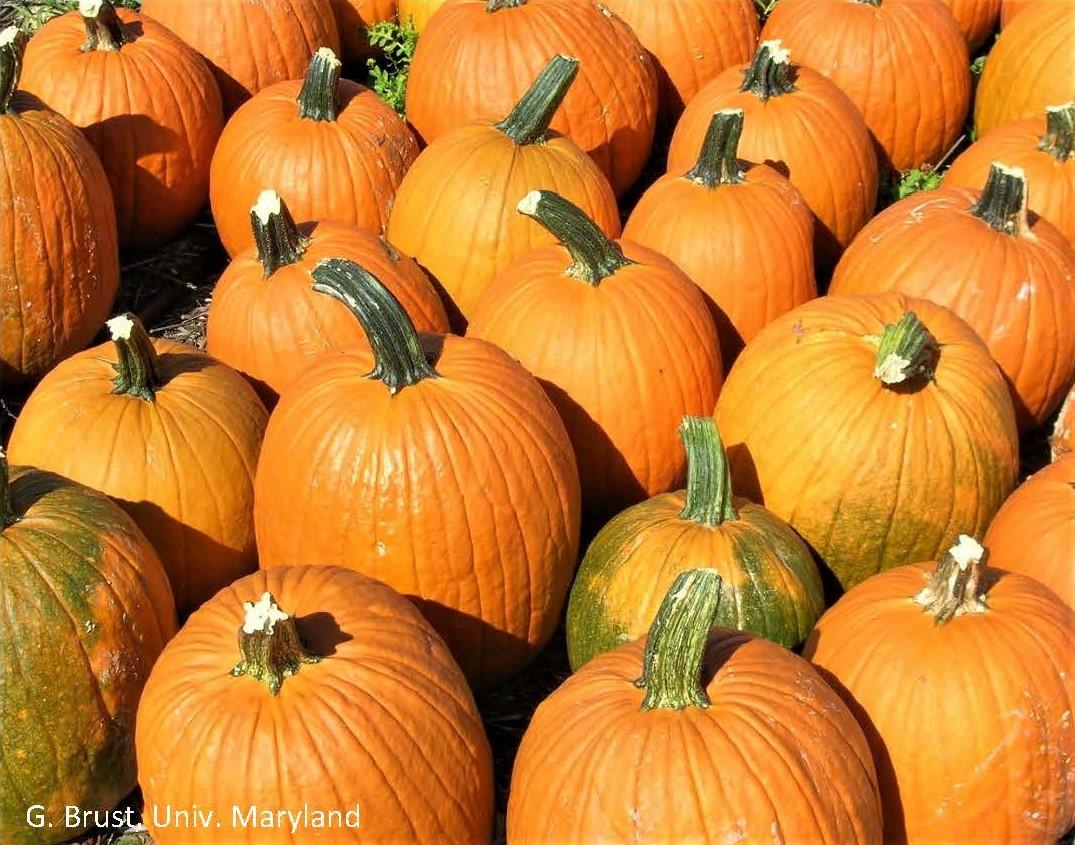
(966, 695)
(168, 432)
(742, 232)
(877, 426)
(353, 18)
(706, 736)
(977, 253)
(977, 19)
(416, 13)
(1063, 439)
(338, 698)
(622, 341)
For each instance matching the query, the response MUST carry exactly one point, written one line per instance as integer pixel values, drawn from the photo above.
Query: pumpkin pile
(644, 422)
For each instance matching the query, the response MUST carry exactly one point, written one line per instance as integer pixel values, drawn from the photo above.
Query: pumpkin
(250, 46)
(1013, 281)
(770, 585)
(1010, 8)
(353, 18)
(741, 232)
(455, 210)
(154, 123)
(436, 465)
(912, 81)
(611, 114)
(59, 263)
(1031, 66)
(966, 695)
(332, 147)
(877, 426)
(338, 699)
(804, 127)
(87, 610)
(705, 737)
(622, 341)
(1063, 439)
(416, 13)
(690, 41)
(977, 19)
(169, 433)
(265, 319)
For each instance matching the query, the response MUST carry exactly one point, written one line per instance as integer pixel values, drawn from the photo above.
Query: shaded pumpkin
(707, 736)
(966, 695)
(877, 426)
(338, 695)
(168, 432)
(87, 610)
(977, 19)
(335, 149)
(436, 465)
(1063, 439)
(353, 18)
(741, 232)
(621, 340)
(416, 13)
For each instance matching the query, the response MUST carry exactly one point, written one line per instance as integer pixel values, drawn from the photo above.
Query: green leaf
(388, 73)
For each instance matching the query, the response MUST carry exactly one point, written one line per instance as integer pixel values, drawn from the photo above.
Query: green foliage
(31, 15)
(388, 74)
(900, 185)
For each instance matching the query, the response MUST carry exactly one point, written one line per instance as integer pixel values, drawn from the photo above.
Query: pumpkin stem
(397, 352)
(104, 30)
(875, 3)
(718, 163)
(595, 256)
(675, 646)
(953, 587)
(769, 73)
(497, 5)
(1059, 138)
(530, 119)
(905, 351)
(7, 509)
(278, 239)
(709, 478)
(137, 366)
(269, 644)
(12, 44)
(321, 87)
(1003, 201)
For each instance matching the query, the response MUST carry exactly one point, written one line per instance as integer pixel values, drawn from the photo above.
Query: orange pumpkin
(59, 263)
(977, 19)
(455, 210)
(805, 128)
(416, 13)
(437, 466)
(877, 426)
(250, 46)
(1063, 439)
(903, 63)
(332, 147)
(339, 698)
(353, 18)
(741, 232)
(622, 341)
(611, 114)
(1012, 281)
(265, 319)
(169, 433)
(966, 694)
(1010, 8)
(693, 735)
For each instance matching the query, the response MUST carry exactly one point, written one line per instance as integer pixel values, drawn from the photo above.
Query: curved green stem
(270, 648)
(321, 87)
(137, 366)
(906, 351)
(12, 44)
(7, 509)
(104, 30)
(953, 587)
(709, 478)
(1059, 138)
(530, 119)
(769, 73)
(497, 5)
(1003, 201)
(278, 239)
(718, 162)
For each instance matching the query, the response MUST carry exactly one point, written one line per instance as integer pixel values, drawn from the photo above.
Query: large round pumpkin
(966, 693)
(437, 466)
(354, 17)
(622, 341)
(338, 699)
(169, 433)
(878, 426)
(903, 63)
(742, 232)
(87, 610)
(977, 19)
(1012, 280)
(59, 262)
(611, 114)
(693, 735)
(1063, 439)
(804, 127)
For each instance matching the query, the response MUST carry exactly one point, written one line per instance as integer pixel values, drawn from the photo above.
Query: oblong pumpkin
(339, 695)
(976, 18)
(1063, 439)
(877, 426)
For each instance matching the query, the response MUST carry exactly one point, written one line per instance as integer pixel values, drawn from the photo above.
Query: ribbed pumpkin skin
(870, 477)
(704, 776)
(250, 45)
(1063, 439)
(87, 610)
(59, 260)
(384, 720)
(1010, 8)
(353, 17)
(1030, 67)
(1017, 292)
(154, 118)
(610, 112)
(904, 64)
(976, 18)
(418, 12)
(970, 721)
(182, 465)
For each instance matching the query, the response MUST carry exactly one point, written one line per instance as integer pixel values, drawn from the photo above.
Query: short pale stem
(497, 5)
(1059, 138)
(270, 649)
(137, 366)
(769, 73)
(1002, 203)
(709, 478)
(104, 30)
(718, 163)
(12, 44)
(906, 351)
(953, 588)
(320, 88)
(530, 119)
(276, 235)
(7, 509)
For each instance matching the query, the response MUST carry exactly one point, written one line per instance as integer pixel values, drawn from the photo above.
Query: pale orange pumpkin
(1063, 439)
